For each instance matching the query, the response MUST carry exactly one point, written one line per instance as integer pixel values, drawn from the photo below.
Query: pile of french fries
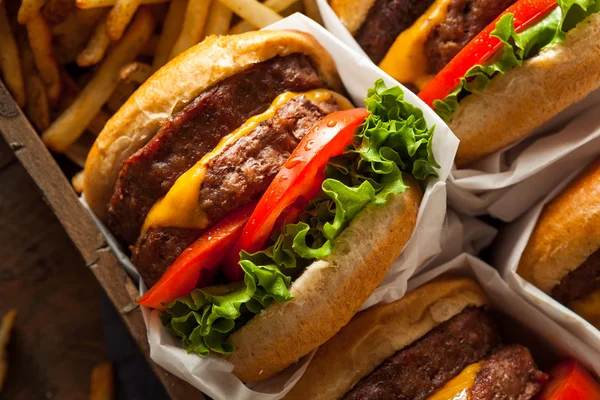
(71, 64)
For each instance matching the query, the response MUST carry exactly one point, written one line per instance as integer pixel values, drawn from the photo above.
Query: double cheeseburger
(562, 257)
(494, 73)
(439, 342)
(261, 208)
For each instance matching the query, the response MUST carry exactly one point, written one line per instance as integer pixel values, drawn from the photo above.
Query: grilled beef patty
(194, 131)
(388, 18)
(235, 177)
(465, 19)
(385, 20)
(581, 282)
(417, 371)
(508, 374)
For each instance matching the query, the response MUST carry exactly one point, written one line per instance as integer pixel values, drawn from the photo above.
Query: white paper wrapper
(212, 375)
(549, 336)
(507, 183)
(506, 256)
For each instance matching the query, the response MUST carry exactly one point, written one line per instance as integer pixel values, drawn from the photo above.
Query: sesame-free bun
(379, 332)
(177, 84)
(516, 103)
(352, 13)
(566, 233)
(329, 292)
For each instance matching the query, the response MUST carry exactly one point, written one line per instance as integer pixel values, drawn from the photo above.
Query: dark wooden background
(58, 336)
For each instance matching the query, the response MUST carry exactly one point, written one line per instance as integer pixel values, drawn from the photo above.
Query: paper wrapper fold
(213, 375)
(546, 339)
(507, 254)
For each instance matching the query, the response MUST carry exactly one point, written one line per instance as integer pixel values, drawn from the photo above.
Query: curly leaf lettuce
(393, 139)
(516, 48)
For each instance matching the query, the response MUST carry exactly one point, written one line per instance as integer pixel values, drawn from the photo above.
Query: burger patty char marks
(385, 20)
(465, 19)
(192, 132)
(238, 175)
(508, 374)
(417, 371)
(581, 282)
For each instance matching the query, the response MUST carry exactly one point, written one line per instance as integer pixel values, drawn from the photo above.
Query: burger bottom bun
(516, 103)
(566, 234)
(378, 333)
(329, 292)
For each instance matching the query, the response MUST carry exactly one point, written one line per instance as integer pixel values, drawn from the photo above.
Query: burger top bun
(178, 83)
(566, 234)
(516, 103)
(329, 292)
(352, 13)
(377, 333)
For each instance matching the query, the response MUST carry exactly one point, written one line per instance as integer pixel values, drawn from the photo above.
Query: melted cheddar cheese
(588, 308)
(179, 207)
(405, 61)
(458, 387)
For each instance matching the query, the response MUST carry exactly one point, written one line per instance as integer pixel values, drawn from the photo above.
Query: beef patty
(509, 373)
(465, 19)
(581, 282)
(415, 372)
(386, 19)
(238, 175)
(189, 134)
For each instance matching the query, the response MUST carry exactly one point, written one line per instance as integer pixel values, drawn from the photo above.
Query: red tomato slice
(481, 48)
(197, 265)
(570, 381)
(301, 176)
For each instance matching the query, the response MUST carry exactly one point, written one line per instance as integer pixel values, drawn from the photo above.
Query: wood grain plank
(58, 334)
(63, 201)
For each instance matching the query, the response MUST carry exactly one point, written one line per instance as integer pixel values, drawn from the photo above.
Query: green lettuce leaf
(393, 139)
(516, 48)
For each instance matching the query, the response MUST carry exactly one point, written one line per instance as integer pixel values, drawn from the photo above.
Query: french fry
(96, 47)
(10, 60)
(119, 17)
(102, 386)
(71, 35)
(57, 11)
(40, 40)
(120, 95)
(297, 7)
(258, 14)
(71, 124)
(38, 107)
(8, 321)
(312, 11)
(275, 5)
(150, 47)
(170, 32)
(193, 25)
(79, 150)
(98, 122)
(29, 9)
(136, 72)
(109, 3)
(218, 20)
(77, 182)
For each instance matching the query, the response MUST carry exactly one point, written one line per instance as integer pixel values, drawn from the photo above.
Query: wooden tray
(63, 201)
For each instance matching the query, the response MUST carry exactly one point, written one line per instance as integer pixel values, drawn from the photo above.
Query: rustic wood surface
(94, 252)
(58, 335)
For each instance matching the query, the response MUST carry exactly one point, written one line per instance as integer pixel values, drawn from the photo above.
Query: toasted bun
(178, 83)
(329, 292)
(516, 103)
(566, 234)
(352, 13)
(379, 332)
